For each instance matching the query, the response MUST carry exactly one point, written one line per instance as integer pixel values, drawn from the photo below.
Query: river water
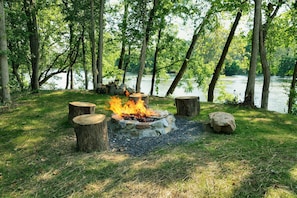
(235, 85)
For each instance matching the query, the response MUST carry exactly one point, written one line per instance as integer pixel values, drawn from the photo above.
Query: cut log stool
(91, 132)
(187, 105)
(80, 108)
(139, 96)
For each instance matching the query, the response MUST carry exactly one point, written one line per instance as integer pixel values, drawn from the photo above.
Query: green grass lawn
(38, 156)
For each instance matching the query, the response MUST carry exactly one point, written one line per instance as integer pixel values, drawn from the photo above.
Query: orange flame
(129, 108)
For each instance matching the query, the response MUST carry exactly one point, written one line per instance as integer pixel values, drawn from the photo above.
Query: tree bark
(187, 105)
(147, 30)
(292, 95)
(80, 108)
(100, 43)
(263, 53)
(123, 30)
(32, 26)
(93, 50)
(3, 57)
(265, 68)
(218, 68)
(91, 132)
(250, 88)
(155, 62)
(84, 58)
(127, 62)
(184, 66)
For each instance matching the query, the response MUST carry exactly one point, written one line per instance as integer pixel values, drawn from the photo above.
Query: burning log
(91, 132)
(80, 108)
(187, 105)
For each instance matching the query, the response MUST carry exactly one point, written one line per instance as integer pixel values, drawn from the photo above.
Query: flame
(129, 108)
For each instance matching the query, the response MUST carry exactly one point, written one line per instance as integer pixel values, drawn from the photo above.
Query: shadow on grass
(37, 147)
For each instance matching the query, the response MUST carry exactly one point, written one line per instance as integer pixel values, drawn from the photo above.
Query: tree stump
(139, 96)
(80, 108)
(91, 132)
(187, 105)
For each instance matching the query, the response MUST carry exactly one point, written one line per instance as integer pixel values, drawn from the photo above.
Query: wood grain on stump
(80, 108)
(91, 132)
(139, 96)
(187, 105)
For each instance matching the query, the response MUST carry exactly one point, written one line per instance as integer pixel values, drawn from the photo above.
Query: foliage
(286, 66)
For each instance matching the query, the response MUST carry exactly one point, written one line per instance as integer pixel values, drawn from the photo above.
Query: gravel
(187, 131)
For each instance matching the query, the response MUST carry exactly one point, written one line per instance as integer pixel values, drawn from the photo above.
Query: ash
(187, 131)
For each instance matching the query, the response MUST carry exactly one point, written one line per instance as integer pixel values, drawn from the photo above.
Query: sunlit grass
(39, 159)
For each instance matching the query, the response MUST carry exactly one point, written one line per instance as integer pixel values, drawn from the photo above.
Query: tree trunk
(250, 88)
(155, 61)
(145, 41)
(84, 58)
(15, 72)
(32, 26)
(265, 69)
(217, 71)
(184, 66)
(127, 62)
(292, 95)
(100, 42)
(91, 132)
(123, 30)
(93, 50)
(263, 54)
(3, 57)
(67, 79)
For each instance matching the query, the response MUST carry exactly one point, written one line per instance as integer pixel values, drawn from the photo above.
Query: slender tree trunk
(100, 43)
(184, 66)
(124, 29)
(265, 69)
(15, 72)
(218, 68)
(155, 61)
(3, 57)
(67, 79)
(32, 26)
(93, 50)
(271, 13)
(84, 58)
(71, 51)
(250, 88)
(292, 95)
(145, 41)
(127, 62)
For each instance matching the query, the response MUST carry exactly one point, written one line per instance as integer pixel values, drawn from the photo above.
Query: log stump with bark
(91, 132)
(80, 108)
(139, 96)
(187, 105)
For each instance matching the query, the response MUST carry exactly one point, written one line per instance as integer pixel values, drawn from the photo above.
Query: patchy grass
(38, 157)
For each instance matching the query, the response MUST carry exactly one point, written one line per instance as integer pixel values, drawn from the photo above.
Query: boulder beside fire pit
(222, 122)
(145, 127)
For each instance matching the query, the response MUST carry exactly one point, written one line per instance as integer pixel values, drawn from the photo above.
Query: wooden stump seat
(139, 96)
(187, 105)
(91, 132)
(80, 108)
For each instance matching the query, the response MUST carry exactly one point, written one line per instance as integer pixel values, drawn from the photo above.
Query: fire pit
(134, 119)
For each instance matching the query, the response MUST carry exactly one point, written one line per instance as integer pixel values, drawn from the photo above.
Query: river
(235, 85)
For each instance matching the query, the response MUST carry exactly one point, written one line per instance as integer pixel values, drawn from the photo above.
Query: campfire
(132, 110)
(133, 118)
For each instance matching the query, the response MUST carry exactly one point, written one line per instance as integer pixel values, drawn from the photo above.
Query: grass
(38, 157)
